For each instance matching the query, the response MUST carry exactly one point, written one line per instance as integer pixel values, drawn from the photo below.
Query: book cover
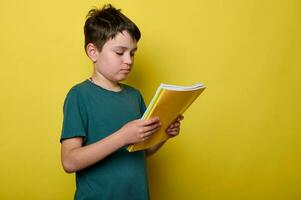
(168, 103)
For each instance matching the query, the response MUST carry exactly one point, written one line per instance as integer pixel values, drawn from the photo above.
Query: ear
(92, 52)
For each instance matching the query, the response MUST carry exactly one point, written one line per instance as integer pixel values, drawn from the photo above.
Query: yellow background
(240, 140)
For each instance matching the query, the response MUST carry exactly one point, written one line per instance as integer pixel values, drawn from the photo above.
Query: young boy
(102, 115)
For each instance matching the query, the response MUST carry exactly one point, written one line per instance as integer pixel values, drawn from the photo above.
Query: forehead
(122, 39)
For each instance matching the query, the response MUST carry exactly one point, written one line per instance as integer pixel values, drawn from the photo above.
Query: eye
(119, 53)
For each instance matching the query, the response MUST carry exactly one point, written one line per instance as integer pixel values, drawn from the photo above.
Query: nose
(129, 59)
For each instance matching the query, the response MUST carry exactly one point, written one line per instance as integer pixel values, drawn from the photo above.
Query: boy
(102, 115)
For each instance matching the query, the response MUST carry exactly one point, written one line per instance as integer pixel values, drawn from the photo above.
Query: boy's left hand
(174, 128)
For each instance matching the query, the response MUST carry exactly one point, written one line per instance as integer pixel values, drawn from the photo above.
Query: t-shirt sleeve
(75, 117)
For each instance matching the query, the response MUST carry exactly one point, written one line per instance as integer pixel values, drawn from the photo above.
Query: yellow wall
(240, 140)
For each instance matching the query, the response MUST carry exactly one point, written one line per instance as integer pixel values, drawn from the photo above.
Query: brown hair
(105, 23)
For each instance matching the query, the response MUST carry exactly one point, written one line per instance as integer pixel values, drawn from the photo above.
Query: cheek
(112, 60)
(105, 59)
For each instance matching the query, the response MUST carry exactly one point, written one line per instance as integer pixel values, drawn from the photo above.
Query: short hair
(105, 23)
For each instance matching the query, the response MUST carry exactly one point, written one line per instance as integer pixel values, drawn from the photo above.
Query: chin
(122, 78)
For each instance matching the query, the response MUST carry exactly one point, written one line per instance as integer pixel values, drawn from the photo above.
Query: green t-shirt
(94, 113)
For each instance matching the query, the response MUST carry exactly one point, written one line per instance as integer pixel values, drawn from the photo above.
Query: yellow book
(168, 103)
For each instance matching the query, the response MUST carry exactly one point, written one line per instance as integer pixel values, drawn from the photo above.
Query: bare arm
(75, 157)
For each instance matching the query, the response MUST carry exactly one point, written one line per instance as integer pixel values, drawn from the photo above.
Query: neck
(101, 81)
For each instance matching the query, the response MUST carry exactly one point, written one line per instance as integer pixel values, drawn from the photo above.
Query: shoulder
(77, 92)
(77, 97)
(79, 89)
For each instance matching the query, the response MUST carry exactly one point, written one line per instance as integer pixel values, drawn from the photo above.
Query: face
(115, 61)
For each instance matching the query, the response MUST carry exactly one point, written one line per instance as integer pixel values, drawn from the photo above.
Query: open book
(168, 103)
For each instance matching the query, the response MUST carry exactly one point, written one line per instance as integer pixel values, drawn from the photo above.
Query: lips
(125, 70)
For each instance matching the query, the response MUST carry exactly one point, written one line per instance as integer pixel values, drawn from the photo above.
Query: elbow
(68, 170)
(68, 166)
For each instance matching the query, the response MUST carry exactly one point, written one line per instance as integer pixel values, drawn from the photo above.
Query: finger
(180, 117)
(152, 127)
(151, 121)
(150, 130)
(172, 134)
(175, 124)
(148, 134)
(145, 138)
(173, 130)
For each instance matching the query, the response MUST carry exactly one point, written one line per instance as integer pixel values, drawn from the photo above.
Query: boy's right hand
(139, 130)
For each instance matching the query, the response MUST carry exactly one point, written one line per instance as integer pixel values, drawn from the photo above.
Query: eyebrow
(125, 48)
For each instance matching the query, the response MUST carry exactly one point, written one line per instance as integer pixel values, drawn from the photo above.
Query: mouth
(126, 71)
